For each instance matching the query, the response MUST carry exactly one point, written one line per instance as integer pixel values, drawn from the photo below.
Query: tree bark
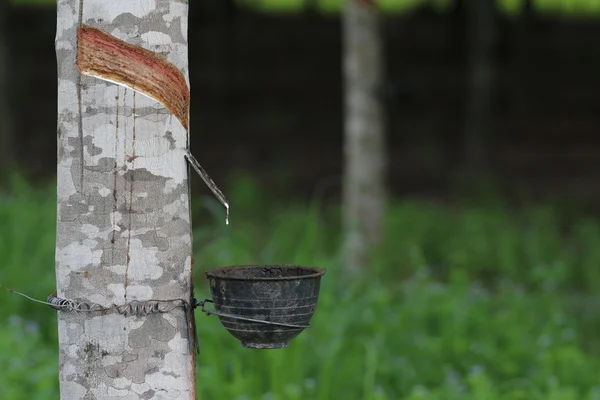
(123, 223)
(481, 33)
(7, 143)
(364, 130)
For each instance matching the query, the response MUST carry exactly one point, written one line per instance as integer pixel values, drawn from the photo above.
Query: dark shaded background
(267, 96)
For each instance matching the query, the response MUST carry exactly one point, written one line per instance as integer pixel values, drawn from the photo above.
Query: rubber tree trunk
(364, 130)
(123, 223)
(481, 31)
(7, 143)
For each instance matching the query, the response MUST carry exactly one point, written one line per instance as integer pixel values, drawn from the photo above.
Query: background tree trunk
(364, 141)
(7, 144)
(123, 226)
(481, 34)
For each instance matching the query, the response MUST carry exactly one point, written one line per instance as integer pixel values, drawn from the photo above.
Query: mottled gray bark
(123, 224)
(364, 132)
(7, 149)
(479, 120)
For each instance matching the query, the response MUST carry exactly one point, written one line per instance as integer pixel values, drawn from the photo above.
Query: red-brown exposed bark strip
(102, 55)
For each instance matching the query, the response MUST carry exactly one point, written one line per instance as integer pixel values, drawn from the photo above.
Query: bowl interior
(265, 272)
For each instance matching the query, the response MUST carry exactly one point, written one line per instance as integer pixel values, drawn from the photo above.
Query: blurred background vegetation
(484, 286)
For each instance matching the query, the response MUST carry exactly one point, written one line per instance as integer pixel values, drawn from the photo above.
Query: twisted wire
(135, 308)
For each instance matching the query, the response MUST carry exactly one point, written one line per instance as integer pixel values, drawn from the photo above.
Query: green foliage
(28, 362)
(568, 7)
(473, 301)
(536, 246)
(27, 233)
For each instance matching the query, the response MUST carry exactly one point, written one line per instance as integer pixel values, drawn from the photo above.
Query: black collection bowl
(265, 306)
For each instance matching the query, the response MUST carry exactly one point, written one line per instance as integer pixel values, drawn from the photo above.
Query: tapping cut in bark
(104, 56)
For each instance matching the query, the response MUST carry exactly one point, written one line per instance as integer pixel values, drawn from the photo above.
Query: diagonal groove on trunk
(104, 56)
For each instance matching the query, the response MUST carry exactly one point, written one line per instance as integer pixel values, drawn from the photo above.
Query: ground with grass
(469, 301)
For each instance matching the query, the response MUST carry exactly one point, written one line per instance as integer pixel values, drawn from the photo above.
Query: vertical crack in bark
(131, 190)
(80, 119)
(128, 200)
(80, 12)
(115, 179)
(80, 129)
(105, 57)
(133, 156)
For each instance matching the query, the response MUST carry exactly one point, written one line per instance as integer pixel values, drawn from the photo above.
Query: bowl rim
(215, 272)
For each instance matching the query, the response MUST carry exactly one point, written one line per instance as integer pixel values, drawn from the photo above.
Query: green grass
(470, 301)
